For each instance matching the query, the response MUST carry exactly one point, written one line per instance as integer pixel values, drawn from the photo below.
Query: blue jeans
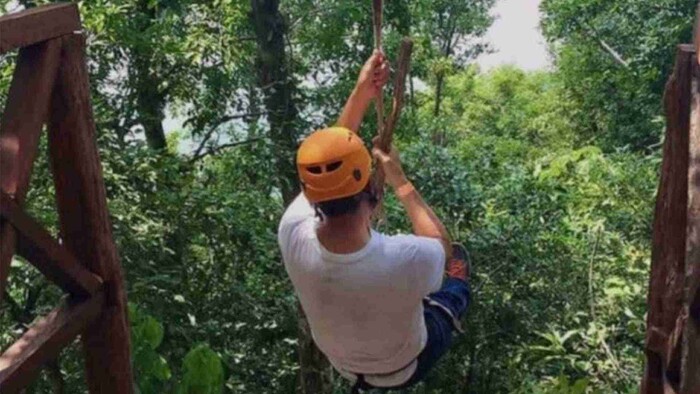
(455, 295)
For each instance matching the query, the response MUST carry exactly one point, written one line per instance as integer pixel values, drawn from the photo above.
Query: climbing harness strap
(361, 383)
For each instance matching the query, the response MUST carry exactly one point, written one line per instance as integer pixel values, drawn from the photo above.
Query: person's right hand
(391, 163)
(373, 76)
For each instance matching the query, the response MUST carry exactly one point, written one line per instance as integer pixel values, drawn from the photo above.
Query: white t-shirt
(364, 308)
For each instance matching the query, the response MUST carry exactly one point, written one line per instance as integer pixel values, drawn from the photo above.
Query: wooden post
(666, 284)
(84, 220)
(20, 129)
(690, 364)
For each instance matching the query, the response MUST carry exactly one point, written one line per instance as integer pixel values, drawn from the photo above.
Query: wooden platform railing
(673, 320)
(50, 87)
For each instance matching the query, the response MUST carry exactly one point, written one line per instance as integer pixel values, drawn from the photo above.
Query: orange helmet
(333, 163)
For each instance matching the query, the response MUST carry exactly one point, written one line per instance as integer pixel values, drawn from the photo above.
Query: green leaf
(203, 372)
(152, 332)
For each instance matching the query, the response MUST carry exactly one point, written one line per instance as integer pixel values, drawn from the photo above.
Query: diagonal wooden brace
(53, 260)
(20, 128)
(21, 363)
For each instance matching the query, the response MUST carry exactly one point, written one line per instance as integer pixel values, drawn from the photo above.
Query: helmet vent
(314, 169)
(357, 174)
(333, 166)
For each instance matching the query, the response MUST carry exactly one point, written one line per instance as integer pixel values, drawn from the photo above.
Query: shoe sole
(460, 252)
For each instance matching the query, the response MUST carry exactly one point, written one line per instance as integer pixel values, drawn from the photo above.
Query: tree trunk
(314, 375)
(279, 93)
(438, 135)
(149, 98)
(151, 104)
(278, 88)
(438, 93)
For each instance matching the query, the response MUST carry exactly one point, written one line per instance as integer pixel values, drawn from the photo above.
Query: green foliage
(146, 336)
(559, 235)
(506, 105)
(561, 385)
(203, 372)
(620, 102)
(527, 230)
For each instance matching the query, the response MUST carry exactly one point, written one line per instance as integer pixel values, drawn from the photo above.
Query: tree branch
(613, 53)
(219, 148)
(218, 123)
(589, 29)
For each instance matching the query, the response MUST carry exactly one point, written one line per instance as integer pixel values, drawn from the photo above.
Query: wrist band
(404, 190)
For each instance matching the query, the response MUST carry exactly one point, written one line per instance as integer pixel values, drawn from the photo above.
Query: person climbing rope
(377, 304)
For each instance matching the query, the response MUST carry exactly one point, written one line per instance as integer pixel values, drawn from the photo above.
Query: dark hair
(347, 205)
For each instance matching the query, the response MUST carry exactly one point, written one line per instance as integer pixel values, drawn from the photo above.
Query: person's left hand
(373, 75)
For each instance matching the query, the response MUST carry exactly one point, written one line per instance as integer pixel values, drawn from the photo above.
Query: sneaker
(459, 266)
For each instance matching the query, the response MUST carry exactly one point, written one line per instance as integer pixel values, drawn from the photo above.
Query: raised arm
(425, 222)
(373, 76)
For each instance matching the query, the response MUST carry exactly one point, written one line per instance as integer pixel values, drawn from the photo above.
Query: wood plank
(53, 260)
(84, 219)
(21, 363)
(690, 376)
(665, 299)
(37, 24)
(20, 128)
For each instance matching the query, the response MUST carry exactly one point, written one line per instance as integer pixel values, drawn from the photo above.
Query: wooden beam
(84, 219)
(53, 260)
(22, 120)
(37, 24)
(690, 376)
(21, 363)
